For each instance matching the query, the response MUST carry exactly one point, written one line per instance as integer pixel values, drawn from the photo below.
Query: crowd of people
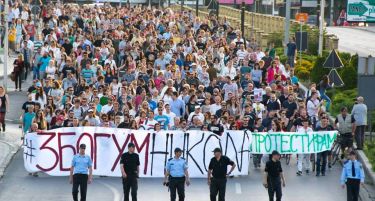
(157, 69)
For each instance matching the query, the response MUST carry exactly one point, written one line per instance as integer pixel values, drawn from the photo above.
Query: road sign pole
(331, 23)
(300, 45)
(286, 25)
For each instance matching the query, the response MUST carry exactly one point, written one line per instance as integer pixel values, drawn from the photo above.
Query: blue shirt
(347, 171)
(176, 167)
(81, 164)
(28, 120)
(163, 120)
(177, 107)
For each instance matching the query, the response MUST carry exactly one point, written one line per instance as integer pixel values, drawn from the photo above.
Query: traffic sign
(361, 11)
(302, 17)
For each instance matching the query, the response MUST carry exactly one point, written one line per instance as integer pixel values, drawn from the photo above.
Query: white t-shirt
(214, 108)
(171, 117)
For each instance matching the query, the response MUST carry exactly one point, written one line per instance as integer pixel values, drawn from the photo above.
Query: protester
(274, 177)
(359, 112)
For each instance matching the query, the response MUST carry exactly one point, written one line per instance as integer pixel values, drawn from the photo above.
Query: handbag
(12, 76)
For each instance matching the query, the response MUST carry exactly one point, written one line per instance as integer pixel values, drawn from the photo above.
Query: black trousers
(130, 183)
(321, 162)
(218, 186)
(274, 186)
(80, 180)
(18, 79)
(177, 184)
(360, 136)
(352, 189)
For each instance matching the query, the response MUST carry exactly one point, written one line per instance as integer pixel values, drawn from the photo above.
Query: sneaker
(323, 174)
(317, 174)
(342, 156)
(299, 173)
(307, 171)
(329, 165)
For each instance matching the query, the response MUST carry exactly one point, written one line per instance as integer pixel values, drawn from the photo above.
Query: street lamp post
(321, 24)
(217, 9)
(243, 19)
(286, 25)
(6, 45)
(196, 8)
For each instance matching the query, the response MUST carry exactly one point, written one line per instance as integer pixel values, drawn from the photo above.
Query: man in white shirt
(230, 87)
(197, 113)
(216, 106)
(150, 122)
(169, 114)
(304, 159)
(313, 106)
(108, 107)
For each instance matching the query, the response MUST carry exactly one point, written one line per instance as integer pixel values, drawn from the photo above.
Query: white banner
(292, 143)
(52, 151)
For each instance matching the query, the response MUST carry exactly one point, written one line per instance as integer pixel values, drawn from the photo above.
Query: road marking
(238, 188)
(115, 192)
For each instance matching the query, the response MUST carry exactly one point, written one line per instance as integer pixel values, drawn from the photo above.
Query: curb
(364, 193)
(13, 150)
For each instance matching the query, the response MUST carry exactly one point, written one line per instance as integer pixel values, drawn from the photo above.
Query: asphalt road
(355, 40)
(16, 185)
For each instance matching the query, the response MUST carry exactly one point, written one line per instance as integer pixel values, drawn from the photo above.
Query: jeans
(177, 184)
(324, 96)
(322, 157)
(80, 180)
(303, 158)
(218, 186)
(360, 136)
(18, 80)
(130, 183)
(35, 73)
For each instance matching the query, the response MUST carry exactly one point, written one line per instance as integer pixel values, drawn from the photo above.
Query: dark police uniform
(81, 164)
(219, 177)
(176, 168)
(130, 163)
(352, 175)
(274, 179)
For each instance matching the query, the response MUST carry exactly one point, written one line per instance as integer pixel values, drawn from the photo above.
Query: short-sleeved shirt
(220, 167)
(273, 169)
(176, 167)
(81, 164)
(130, 162)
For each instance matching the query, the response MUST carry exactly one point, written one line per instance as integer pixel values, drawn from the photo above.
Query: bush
(343, 99)
(370, 152)
(303, 70)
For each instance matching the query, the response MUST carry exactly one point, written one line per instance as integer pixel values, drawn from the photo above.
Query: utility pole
(1, 28)
(273, 7)
(331, 23)
(217, 9)
(6, 45)
(286, 25)
(321, 24)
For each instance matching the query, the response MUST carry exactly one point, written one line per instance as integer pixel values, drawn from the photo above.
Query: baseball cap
(197, 107)
(90, 110)
(217, 150)
(275, 153)
(177, 150)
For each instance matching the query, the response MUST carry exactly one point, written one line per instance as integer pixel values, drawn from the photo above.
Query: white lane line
(116, 194)
(238, 188)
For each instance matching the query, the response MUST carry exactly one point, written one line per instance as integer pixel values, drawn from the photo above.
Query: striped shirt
(37, 44)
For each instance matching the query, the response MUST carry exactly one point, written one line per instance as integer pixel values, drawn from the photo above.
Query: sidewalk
(10, 142)
(10, 63)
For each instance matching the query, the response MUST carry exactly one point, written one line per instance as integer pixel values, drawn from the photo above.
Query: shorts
(346, 140)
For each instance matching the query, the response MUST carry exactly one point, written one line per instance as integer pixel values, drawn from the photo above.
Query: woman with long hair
(49, 114)
(19, 67)
(40, 120)
(4, 106)
(323, 86)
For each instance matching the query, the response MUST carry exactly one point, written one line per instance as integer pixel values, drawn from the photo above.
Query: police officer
(218, 168)
(80, 173)
(178, 175)
(352, 175)
(130, 172)
(274, 177)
